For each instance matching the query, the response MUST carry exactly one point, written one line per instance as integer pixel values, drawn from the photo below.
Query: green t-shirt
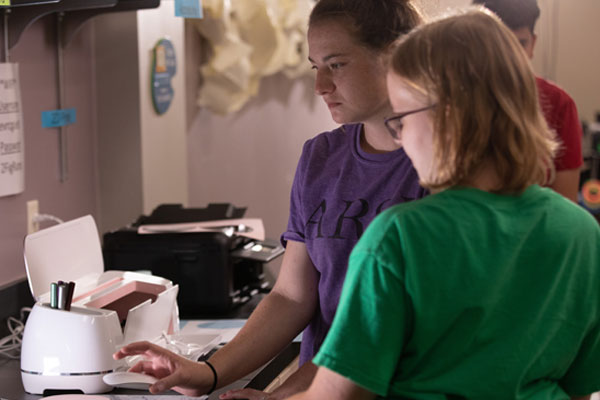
(471, 295)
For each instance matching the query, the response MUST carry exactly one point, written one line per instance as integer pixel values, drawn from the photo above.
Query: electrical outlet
(33, 209)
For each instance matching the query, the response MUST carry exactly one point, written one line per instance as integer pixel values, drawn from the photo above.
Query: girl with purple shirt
(344, 178)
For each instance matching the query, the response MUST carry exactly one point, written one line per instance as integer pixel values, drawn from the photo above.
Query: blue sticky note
(188, 8)
(58, 118)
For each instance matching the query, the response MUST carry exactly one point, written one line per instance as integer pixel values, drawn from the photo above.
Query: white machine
(72, 350)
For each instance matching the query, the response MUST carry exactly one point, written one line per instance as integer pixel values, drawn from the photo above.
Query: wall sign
(164, 67)
(12, 155)
(58, 118)
(187, 8)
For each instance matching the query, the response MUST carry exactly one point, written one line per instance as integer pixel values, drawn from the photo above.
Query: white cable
(10, 346)
(46, 217)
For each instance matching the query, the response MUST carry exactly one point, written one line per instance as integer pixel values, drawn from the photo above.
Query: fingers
(157, 388)
(133, 349)
(165, 383)
(249, 394)
(171, 370)
(142, 348)
(139, 367)
(167, 379)
(142, 367)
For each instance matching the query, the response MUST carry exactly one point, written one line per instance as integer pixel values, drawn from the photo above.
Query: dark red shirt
(561, 115)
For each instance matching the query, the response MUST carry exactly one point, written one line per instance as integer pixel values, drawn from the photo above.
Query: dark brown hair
(516, 14)
(376, 23)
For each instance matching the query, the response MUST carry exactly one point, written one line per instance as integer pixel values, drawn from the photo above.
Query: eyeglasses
(394, 124)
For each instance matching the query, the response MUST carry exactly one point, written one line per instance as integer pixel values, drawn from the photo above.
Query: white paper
(225, 328)
(12, 155)
(252, 228)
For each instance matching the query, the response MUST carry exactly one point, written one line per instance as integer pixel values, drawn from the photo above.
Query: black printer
(215, 271)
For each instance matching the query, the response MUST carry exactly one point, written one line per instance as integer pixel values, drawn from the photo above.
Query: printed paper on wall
(12, 156)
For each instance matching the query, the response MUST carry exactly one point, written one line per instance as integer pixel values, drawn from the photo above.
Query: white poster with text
(12, 155)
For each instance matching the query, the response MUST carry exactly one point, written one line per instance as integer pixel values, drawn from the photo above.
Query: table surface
(11, 386)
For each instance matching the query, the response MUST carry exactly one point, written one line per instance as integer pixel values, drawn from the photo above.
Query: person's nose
(323, 83)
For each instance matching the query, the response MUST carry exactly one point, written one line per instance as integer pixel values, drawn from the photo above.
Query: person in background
(559, 109)
(344, 178)
(487, 288)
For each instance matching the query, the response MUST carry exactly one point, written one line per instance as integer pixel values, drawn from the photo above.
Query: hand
(172, 371)
(249, 394)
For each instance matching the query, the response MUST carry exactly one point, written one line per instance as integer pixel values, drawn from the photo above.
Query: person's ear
(533, 41)
(389, 50)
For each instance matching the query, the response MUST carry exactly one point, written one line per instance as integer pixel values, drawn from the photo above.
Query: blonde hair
(475, 70)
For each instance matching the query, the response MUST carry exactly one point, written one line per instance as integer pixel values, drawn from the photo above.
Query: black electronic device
(215, 270)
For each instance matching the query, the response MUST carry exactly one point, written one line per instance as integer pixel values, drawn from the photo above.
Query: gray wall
(36, 56)
(249, 158)
(119, 125)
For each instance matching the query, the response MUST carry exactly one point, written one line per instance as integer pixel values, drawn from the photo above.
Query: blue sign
(164, 67)
(58, 118)
(188, 8)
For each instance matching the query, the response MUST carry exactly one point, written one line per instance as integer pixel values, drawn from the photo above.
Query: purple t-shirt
(338, 190)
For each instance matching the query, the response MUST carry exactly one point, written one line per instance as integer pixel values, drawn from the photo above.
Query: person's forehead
(331, 36)
(401, 93)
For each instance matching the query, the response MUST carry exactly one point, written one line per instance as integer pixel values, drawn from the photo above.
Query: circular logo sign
(164, 67)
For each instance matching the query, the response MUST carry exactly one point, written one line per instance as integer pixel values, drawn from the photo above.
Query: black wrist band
(214, 371)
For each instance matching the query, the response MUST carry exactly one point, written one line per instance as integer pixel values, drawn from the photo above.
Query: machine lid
(65, 252)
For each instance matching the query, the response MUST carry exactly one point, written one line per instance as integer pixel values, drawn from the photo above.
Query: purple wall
(36, 55)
